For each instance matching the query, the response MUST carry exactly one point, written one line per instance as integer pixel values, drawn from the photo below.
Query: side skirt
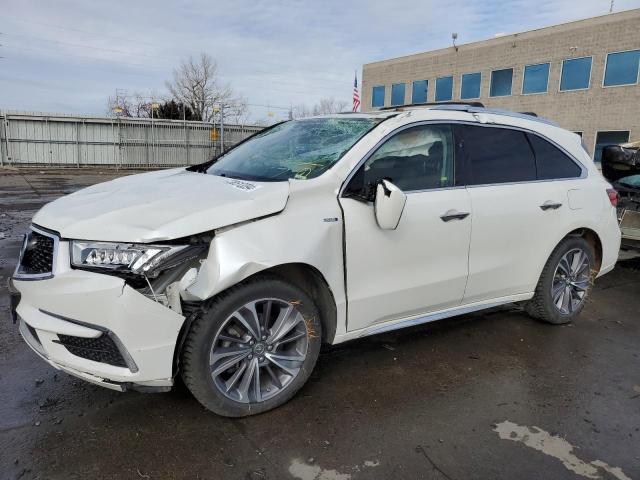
(430, 317)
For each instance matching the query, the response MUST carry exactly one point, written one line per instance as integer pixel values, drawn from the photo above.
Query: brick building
(582, 74)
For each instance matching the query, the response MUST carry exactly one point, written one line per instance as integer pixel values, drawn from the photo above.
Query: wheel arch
(590, 236)
(310, 279)
(594, 241)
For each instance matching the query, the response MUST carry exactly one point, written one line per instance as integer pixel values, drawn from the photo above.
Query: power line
(86, 32)
(90, 47)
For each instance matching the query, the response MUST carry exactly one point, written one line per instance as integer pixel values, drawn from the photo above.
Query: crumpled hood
(160, 205)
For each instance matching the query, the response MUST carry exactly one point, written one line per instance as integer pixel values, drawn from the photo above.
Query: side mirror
(389, 204)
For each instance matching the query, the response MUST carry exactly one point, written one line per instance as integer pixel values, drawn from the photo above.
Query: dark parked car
(621, 166)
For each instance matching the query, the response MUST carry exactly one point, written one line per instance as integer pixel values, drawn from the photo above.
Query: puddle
(556, 447)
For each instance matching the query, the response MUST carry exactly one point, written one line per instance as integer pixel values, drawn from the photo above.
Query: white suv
(233, 273)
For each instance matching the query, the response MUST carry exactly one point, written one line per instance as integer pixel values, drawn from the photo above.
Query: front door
(421, 266)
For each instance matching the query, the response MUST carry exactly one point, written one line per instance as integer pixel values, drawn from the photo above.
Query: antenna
(454, 37)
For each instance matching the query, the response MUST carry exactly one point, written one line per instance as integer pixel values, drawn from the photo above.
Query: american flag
(356, 95)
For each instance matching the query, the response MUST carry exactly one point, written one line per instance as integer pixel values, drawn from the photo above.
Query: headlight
(129, 257)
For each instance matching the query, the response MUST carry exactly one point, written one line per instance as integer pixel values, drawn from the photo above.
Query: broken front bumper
(98, 328)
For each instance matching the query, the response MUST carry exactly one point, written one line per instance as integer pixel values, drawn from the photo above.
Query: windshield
(299, 149)
(630, 181)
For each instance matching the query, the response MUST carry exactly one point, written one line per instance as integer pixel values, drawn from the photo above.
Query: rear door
(519, 208)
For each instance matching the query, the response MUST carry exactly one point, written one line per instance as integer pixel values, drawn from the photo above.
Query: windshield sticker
(242, 185)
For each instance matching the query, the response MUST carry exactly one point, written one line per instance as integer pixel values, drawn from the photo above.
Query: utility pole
(611, 6)
(222, 128)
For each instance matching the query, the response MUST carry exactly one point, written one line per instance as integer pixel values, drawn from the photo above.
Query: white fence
(63, 140)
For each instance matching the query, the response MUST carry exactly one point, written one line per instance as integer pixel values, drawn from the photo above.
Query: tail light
(613, 196)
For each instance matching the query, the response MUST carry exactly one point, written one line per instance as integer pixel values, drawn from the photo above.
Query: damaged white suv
(233, 273)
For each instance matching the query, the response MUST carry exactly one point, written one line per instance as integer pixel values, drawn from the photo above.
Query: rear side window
(496, 155)
(551, 162)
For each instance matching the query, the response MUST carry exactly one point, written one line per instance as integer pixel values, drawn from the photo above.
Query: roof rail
(434, 104)
(496, 111)
(531, 114)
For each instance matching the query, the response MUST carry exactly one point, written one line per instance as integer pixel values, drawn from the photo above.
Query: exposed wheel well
(593, 240)
(310, 280)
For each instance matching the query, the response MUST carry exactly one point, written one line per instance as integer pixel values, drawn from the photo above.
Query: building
(582, 74)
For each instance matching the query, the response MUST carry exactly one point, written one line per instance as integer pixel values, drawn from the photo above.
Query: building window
(536, 79)
(444, 89)
(622, 68)
(501, 81)
(576, 74)
(420, 91)
(377, 98)
(608, 138)
(579, 134)
(397, 94)
(470, 86)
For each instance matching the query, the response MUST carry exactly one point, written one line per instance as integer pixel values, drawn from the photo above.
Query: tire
(224, 354)
(549, 302)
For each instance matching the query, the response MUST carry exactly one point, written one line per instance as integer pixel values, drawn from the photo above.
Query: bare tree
(329, 105)
(196, 83)
(124, 105)
(326, 106)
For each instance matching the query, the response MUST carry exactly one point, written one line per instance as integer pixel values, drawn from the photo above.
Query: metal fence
(63, 140)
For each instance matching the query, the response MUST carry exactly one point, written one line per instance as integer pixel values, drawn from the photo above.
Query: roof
(472, 107)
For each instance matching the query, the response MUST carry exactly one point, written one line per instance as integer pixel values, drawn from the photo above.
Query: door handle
(550, 205)
(453, 215)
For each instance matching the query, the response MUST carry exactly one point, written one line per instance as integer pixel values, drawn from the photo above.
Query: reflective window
(417, 158)
(377, 98)
(608, 138)
(397, 94)
(622, 68)
(470, 87)
(419, 91)
(536, 78)
(496, 155)
(444, 89)
(576, 74)
(551, 162)
(501, 81)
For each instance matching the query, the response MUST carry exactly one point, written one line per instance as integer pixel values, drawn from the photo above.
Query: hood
(160, 205)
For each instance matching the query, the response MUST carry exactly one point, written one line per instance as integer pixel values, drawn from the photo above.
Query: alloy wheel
(259, 350)
(571, 281)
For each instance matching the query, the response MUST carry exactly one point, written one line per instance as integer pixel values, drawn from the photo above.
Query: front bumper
(88, 306)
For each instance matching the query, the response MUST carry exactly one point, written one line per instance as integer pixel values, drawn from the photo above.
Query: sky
(69, 56)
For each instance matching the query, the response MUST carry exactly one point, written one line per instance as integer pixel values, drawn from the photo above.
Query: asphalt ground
(492, 395)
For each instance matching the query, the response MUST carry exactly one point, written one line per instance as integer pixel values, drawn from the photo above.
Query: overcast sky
(69, 55)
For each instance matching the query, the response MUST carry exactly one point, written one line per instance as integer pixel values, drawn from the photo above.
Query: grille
(102, 349)
(37, 257)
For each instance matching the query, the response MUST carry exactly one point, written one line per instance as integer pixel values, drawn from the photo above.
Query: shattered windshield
(630, 181)
(299, 149)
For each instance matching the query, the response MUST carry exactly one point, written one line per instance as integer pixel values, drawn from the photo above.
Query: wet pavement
(493, 395)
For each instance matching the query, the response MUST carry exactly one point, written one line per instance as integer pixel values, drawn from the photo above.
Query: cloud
(73, 54)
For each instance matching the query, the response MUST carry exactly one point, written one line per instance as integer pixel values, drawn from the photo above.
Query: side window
(417, 158)
(496, 155)
(551, 162)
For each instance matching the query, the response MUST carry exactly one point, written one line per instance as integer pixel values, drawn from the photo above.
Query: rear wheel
(253, 348)
(565, 282)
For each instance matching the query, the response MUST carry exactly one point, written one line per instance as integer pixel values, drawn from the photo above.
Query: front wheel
(565, 282)
(253, 347)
